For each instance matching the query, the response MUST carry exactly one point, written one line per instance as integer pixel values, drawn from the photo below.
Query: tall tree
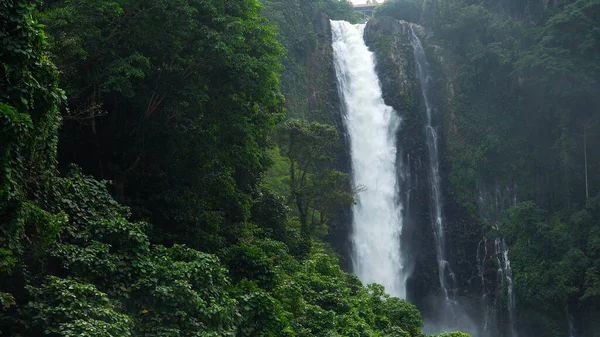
(173, 101)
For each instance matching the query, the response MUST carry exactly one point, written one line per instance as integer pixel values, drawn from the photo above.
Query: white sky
(363, 1)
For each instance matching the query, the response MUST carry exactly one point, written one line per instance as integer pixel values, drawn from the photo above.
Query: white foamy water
(372, 127)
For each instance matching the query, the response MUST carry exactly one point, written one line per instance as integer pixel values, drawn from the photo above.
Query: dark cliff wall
(518, 94)
(464, 230)
(322, 95)
(389, 39)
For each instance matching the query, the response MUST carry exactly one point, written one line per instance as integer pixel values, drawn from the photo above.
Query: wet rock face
(386, 25)
(322, 26)
(389, 39)
(322, 98)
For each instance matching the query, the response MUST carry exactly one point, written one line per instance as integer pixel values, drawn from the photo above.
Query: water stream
(446, 276)
(372, 128)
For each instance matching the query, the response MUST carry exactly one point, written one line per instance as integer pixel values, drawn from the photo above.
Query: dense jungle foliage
(134, 140)
(521, 133)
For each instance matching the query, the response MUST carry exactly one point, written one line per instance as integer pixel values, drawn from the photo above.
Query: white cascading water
(372, 127)
(446, 276)
(505, 275)
(491, 206)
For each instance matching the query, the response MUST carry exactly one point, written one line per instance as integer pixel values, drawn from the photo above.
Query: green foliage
(298, 36)
(261, 314)
(278, 175)
(565, 60)
(271, 214)
(83, 198)
(29, 97)
(180, 292)
(90, 312)
(335, 303)
(521, 96)
(303, 30)
(407, 10)
(316, 189)
(165, 291)
(250, 262)
(15, 129)
(175, 111)
(340, 10)
(550, 263)
(451, 334)
(28, 84)
(396, 316)
(502, 66)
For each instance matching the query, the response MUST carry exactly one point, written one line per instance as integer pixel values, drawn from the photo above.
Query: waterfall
(372, 127)
(446, 276)
(505, 279)
(493, 200)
